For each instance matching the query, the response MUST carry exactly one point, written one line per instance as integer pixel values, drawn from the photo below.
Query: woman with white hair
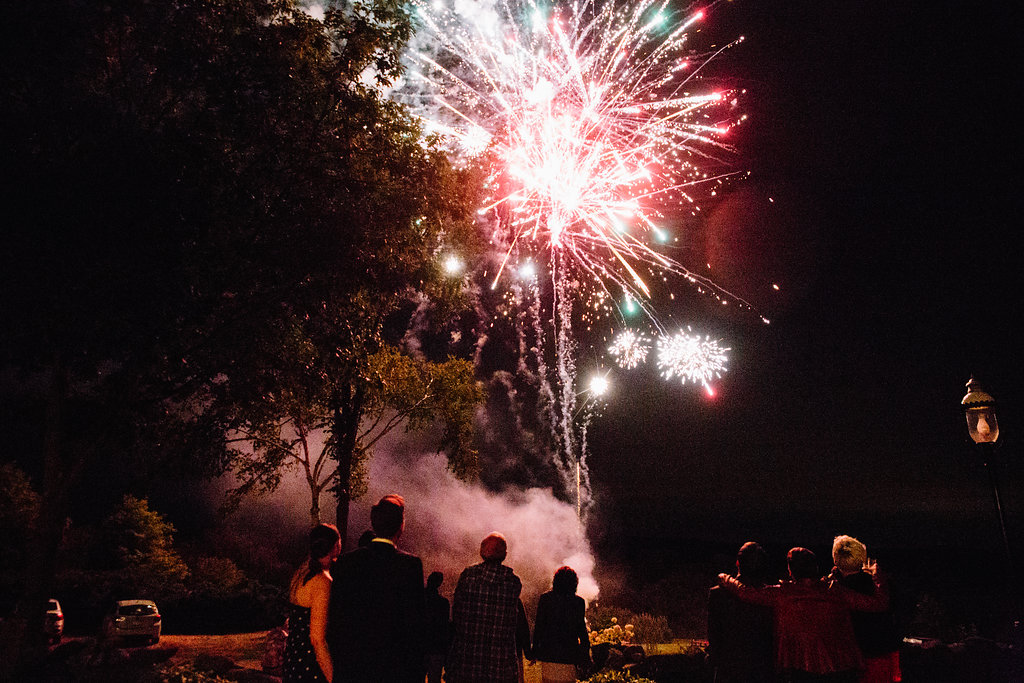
(875, 632)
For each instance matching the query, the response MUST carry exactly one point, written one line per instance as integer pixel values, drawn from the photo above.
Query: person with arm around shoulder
(814, 638)
(741, 635)
(487, 620)
(306, 656)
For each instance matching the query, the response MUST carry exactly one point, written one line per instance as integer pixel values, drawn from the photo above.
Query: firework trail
(595, 132)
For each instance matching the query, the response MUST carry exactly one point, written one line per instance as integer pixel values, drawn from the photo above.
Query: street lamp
(982, 425)
(981, 414)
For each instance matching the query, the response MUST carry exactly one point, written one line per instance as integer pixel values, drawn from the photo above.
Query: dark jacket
(375, 618)
(875, 631)
(741, 638)
(439, 623)
(560, 630)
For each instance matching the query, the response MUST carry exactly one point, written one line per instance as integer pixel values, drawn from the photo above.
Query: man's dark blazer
(375, 618)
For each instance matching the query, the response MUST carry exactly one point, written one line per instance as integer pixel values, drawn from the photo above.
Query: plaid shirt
(484, 613)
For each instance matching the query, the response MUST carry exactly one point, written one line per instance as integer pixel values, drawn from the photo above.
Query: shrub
(649, 629)
(618, 626)
(617, 676)
(614, 634)
(187, 674)
(600, 617)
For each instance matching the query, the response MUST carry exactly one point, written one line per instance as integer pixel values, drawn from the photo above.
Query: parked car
(54, 622)
(131, 619)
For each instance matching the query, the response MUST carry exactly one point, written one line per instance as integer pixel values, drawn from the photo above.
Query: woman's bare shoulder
(319, 584)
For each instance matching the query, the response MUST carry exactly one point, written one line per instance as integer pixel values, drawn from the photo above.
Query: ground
(244, 649)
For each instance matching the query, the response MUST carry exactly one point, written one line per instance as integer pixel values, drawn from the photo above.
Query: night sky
(884, 135)
(883, 200)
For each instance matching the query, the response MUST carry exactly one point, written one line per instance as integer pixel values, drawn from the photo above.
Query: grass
(679, 646)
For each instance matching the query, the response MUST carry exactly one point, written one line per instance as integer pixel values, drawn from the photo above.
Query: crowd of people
(368, 612)
(837, 628)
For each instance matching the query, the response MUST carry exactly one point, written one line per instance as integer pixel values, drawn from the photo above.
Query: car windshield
(53, 607)
(136, 610)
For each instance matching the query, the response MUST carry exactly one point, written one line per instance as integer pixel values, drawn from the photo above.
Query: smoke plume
(447, 518)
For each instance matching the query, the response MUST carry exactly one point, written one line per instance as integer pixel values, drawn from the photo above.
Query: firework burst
(691, 358)
(595, 119)
(597, 131)
(630, 349)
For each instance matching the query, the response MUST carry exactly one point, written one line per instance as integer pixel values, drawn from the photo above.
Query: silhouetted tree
(19, 506)
(192, 188)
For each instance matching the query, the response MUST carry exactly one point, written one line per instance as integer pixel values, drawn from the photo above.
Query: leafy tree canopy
(199, 192)
(292, 426)
(131, 555)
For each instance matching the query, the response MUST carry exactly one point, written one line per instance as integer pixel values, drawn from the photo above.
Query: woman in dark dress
(306, 657)
(560, 638)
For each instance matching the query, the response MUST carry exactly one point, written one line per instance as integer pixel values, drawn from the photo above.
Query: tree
(19, 505)
(130, 553)
(137, 553)
(216, 578)
(293, 426)
(187, 184)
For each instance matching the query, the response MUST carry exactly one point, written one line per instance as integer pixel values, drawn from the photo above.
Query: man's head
(848, 554)
(752, 563)
(565, 581)
(387, 517)
(493, 548)
(802, 564)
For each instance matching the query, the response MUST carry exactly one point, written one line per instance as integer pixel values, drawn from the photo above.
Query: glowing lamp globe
(980, 409)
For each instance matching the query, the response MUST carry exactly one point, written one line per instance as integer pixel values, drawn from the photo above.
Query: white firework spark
(691, 358)
(630, 349)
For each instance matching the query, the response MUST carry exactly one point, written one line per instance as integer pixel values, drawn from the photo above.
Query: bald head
(493, 548)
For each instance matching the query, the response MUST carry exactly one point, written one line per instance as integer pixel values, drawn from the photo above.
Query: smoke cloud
(447, 518)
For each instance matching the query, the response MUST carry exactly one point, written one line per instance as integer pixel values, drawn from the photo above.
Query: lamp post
(982, 425)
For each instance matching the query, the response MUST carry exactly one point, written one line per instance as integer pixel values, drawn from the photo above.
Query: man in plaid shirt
(488, 621)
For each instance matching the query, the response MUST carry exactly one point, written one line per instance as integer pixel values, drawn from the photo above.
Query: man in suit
(375, 617)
